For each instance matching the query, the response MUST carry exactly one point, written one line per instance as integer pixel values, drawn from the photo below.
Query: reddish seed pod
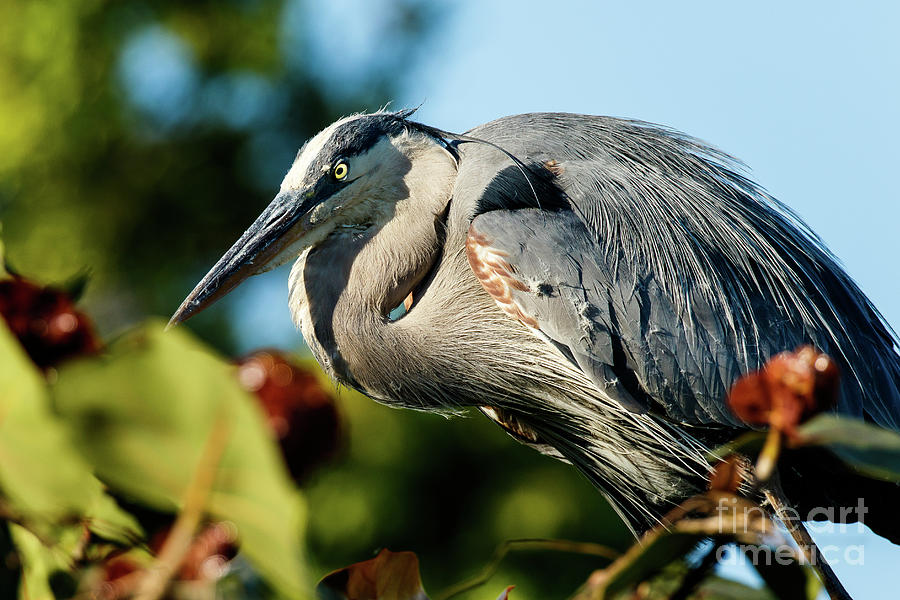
(749, 399)
(788, 390)
(45, 321)
(301, 412)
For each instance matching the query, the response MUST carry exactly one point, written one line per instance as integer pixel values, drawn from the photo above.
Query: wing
(543, 269)
(662, 273)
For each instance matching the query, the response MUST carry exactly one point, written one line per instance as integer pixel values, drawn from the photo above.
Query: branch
(809, 551)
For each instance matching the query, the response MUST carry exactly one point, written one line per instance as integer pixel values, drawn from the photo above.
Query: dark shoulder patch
(522, 186)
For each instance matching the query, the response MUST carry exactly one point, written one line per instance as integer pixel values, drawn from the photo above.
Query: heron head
(349, 175)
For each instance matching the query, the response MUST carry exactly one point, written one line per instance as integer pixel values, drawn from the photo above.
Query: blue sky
(807, 94)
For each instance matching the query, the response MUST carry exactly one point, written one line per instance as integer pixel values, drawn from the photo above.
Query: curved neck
(343, 289)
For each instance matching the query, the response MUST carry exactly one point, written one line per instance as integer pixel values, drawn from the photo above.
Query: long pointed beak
(265, 245)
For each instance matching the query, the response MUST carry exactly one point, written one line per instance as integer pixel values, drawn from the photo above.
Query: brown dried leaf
(505, 594)
(728, 475)
(388, 576)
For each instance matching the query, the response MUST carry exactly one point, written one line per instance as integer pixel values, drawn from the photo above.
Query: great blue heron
(594, 285)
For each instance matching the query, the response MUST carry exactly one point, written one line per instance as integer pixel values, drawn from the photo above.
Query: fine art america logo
(752, 523)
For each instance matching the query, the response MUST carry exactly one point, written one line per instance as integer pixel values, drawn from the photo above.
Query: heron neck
(343, 290)
(341, 293)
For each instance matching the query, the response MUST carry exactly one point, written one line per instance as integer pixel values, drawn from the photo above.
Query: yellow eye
(340, 170)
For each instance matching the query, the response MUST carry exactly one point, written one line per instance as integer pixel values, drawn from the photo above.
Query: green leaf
(45, 484)
(107, 520)
(870, 449)
(40, 561)
(142, 414)
(44, 481)
(37, 564)
(3, 273)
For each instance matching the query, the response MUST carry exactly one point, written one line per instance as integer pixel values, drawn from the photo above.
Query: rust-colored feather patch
(496, 276)
(554, 167)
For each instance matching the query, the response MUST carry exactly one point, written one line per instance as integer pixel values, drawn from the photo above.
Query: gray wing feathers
(672, 274)
(617, 326)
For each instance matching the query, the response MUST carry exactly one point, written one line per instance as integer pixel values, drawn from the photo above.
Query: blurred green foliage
(44, 480)
(142, 419)
(143, 415)
(138, 139)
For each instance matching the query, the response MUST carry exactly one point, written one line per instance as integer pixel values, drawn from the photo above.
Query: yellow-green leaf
(44, 481)
(142, 414)
(3, 273)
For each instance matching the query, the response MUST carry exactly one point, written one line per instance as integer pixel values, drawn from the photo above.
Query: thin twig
(525, 544)
(809, 551)
(768, 456)
(178, 542)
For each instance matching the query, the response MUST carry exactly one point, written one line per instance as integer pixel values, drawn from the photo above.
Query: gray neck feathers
(343, 289)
